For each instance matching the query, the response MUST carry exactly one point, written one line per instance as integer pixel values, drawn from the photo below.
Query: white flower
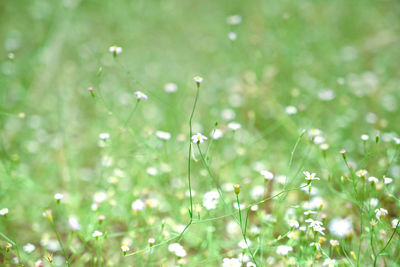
(373, 179)
(231, 262)
(232, 36)
(29, 248)
(308, 212)
(313, 222)
(373, 202)
(152, 171)
(334, 243)
(198, 79)
(116, 50)
(267, 175)
(257, 192)
(361, 173)
(138, 205)
(139, 95)
(293, 223)
(216, 134)
(314, 132)
(99, 197)
(243, 245)
(97, 233)
(318, 228)
(329, 262)
(324, 146)
(394, 223)
(163, 135)
(170, 87)
(234, 126)
(318, 140)
(364, 137)
(291, 110)
(310, 176)
(380, 212)
(124, 248)
(283, 250)
(326, 95)
(210, 200)
(340, 227)
(234, 19)
(4, 212)
(177, 249)
(58, 196)
(104, 136)
(74, 224)
(198, 138)
(387, 180)
(396, 140)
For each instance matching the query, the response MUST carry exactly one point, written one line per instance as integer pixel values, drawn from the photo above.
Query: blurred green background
(336, 61)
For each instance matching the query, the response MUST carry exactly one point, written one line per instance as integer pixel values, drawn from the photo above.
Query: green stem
(61, 243)
(190, 149)
(387, 244)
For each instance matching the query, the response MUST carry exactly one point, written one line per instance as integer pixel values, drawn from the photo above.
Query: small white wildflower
(234, 126)
(387, 180)
(198, 138)
(396, 140)
(340, 227)
(373, 202)
(232, 36)
(334, 243)
(198, 79)
(210, 200)
(324, 146)
(380, 212)
(97, 234)
(361, 173)
(139, 95)
(234, 19)
(313, 222)
(373, 179)
(231, 262)
(99, 197)
(364, 137)
(152, 171)
(291, 110)
(293, 223)
(283, 250)
(138, 205)
(104, 136)
(163, 135)
(116, 50)
(177, 249)
(58, 196)
(216, 134)
(310, 176)
(170, 87)
(124, 248)
(74, 224)
(318, 140)
(243, 245)
(329, 262)
(326, 95)
(395, 222)
(320, 229)
(29, 248)
(267, 175)
(4, 212)
(308, 212)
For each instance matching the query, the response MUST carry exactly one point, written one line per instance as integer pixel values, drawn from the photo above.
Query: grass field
(199, 133)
